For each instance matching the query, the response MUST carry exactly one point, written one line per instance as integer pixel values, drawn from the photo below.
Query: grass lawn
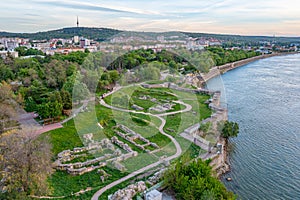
(160, 139)
(189, 148)
(142, 160)
(138, 141)
(64, 184)
(167, 150)
(126, 97)
(145, 130)
(64, 138)
(176, 124)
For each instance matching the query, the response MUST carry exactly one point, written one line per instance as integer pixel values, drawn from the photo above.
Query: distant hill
(246, 39)
(98, 34)
(101, 34)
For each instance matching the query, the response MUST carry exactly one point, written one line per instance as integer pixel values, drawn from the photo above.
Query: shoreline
(222, 69)
(221, 163)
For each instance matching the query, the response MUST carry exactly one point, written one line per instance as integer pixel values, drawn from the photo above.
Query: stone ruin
(79, 168)
(147, 97)
(136, 107)
(163, 107)
(129, 192)
(131, 136)
(103, 175)
(152, 180)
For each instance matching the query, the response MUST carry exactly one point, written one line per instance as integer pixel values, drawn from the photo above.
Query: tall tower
(77, 22)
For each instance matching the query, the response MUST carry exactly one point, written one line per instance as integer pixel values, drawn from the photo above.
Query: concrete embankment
(215, 71)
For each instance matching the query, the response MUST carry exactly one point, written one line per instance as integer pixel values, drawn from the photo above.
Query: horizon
(233, 34)
(268, 18)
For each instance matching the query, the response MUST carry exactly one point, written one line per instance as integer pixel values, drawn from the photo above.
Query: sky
(245, 17)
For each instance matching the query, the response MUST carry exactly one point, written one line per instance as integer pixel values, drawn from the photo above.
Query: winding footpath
(159, 116)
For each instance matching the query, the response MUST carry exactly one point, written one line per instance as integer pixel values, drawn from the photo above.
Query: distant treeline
(97, 34)
(240, 40)
(101, 34)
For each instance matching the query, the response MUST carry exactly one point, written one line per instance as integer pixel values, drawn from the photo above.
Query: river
(264, 98)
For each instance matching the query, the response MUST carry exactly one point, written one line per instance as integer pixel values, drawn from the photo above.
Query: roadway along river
(264, 98)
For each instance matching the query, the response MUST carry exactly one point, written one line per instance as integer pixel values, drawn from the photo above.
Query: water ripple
(265, 157)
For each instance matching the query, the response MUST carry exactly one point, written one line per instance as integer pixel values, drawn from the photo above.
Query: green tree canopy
(230, 129)
(193, 180)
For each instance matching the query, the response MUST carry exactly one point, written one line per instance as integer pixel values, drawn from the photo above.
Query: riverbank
(263, 156)
(218, 70)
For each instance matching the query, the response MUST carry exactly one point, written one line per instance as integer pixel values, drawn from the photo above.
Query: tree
(8, 104)
(55, 73)
(147, 73)
(71, 69)
(230, 129)
(91, 80)
(24, 51)
(66, 99)
(114, 76)
(193, 180)
(80, 91)
(25, 163)
(5, 73)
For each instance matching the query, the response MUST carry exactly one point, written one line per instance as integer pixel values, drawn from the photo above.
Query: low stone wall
(80, 168)
(130, 136)
(219, 115)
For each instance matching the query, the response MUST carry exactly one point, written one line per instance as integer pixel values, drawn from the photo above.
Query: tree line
(49, 85)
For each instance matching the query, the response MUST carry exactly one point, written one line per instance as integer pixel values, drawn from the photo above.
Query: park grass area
(189, 148)
(146, 117)
(152, 82)
(87, 122)
(177, 123)
(126, 97)
(63, 138)
(64, 184)
(142, 160)
(167, 150)
(126, 120)
(160, 139)
(140, 142)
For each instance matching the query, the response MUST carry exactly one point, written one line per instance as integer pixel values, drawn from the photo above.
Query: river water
(264, 98)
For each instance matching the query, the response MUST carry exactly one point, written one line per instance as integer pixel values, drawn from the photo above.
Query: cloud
(220, 16)
(94, 7)
(32, 15)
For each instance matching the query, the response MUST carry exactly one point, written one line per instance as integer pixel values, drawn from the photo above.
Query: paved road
(133, 174)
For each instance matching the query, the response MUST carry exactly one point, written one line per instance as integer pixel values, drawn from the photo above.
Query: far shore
(217, 70)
